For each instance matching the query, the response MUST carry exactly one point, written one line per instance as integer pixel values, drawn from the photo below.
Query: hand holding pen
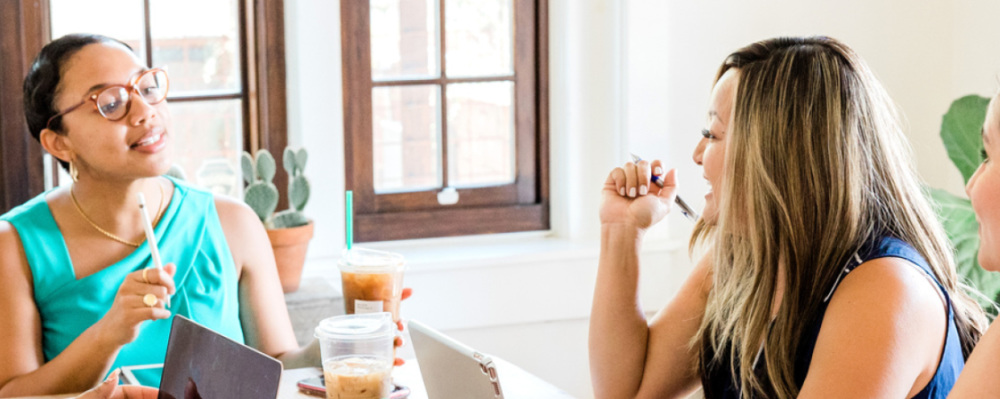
(685, 209)
(143, 295)
(153, 247)
(640, 194)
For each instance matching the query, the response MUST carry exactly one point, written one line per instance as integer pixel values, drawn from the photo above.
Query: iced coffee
(372, 281)
(357, 355)
(358, 378)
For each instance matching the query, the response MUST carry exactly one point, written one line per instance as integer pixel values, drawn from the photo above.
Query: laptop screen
(451, 369)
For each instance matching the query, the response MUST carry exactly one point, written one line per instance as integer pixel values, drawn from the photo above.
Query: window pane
(404, 36)
(478, 37)
(198, 42)
(407, 138)
(208, 140)
(481, 148)
(119, 19)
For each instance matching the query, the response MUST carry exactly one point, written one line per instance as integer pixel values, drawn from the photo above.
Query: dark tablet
(201, 363)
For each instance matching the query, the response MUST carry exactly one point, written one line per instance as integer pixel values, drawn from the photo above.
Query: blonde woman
(978, 380)
(826, 273)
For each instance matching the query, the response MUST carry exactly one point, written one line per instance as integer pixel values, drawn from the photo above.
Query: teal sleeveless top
(189, 235)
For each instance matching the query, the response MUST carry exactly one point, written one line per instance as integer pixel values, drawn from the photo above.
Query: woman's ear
(56, 144)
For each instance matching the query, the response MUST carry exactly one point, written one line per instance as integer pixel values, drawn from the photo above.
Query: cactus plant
(262, 195)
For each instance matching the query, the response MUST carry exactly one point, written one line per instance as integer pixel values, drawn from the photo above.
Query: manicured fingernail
(621, 191)
(631, 192)
(643, 190)
(658, 171)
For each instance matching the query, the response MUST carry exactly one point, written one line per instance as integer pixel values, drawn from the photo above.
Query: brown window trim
(25, 30)
(522, 206)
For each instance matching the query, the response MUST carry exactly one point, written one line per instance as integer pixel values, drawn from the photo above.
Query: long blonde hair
(816, 165)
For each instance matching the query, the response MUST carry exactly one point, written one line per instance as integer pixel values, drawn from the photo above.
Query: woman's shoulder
(884, 303)
(12, 259)
(28, 209)
(8, 235)
(889, 272)
(887, 276)
(233, 210)
(893, 296)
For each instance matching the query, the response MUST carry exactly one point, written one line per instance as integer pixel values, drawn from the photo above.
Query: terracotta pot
(290, 253)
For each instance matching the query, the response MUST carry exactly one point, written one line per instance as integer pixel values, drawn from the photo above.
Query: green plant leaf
(262, 198)
(301, 156)
(963, 231)
(298, 192)
(288, 161)
(265, 165)
(246, 163)
(961, 131)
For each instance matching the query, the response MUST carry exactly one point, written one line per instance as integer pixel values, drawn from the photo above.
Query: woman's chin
(709, 215)
(987, 262)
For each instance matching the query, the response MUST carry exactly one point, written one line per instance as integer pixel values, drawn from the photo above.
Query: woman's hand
(132, 305)
(109, 389)
(399, 324)
(630, 197)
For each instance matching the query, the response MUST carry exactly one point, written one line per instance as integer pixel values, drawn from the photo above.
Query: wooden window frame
(521, 206)
(26, 30)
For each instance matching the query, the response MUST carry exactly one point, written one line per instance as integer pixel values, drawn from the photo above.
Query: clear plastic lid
(363, 260)
(356, 327)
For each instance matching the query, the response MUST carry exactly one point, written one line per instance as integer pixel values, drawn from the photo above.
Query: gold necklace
(72, 194)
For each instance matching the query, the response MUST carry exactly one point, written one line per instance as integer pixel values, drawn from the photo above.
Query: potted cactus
(288, 230)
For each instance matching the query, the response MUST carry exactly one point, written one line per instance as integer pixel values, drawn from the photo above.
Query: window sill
(483, 251)
(516, 278)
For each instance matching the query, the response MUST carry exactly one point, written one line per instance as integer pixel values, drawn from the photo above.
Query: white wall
(631, 75)
(927, 54)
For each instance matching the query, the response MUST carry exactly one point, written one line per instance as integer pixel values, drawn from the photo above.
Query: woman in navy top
(825, 271)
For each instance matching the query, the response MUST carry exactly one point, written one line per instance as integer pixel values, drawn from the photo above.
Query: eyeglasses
(113, 102)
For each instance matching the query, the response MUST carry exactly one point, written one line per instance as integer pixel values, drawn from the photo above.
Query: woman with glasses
(826, 272)
(78, 293)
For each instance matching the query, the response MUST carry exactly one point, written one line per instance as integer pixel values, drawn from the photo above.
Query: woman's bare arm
(628, 357)
(263, 314)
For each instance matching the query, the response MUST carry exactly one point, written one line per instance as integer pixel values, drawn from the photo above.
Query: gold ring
(150, 300)
(144, 275)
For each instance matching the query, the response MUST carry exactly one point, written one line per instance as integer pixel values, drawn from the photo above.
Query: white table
(515, 382)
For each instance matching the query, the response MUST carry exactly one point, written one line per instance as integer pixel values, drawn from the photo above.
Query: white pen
(685, 209)
(150, 237)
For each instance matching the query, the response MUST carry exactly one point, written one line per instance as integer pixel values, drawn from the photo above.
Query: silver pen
(685, 209)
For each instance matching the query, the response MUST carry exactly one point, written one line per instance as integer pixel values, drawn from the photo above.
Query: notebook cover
(201, 363)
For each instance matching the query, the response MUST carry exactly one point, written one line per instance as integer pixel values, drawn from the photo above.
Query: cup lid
(357, 327)
(369, 260)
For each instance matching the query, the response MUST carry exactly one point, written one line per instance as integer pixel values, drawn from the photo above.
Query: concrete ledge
(315, 300)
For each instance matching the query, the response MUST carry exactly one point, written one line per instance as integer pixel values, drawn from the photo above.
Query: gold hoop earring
(74, 173)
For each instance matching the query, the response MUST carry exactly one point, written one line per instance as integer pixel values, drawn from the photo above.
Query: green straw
(349, 217)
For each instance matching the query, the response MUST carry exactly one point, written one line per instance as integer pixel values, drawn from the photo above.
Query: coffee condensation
(353, 377)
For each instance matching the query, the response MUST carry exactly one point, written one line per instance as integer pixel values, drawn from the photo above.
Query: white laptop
(451, 369)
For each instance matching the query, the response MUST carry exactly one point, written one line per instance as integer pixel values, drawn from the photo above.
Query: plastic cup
(357, 355)
(372, 281)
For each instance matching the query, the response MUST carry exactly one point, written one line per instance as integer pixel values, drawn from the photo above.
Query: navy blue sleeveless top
(718, 382)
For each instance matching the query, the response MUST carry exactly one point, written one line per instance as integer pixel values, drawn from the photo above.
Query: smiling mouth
(148, 140)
